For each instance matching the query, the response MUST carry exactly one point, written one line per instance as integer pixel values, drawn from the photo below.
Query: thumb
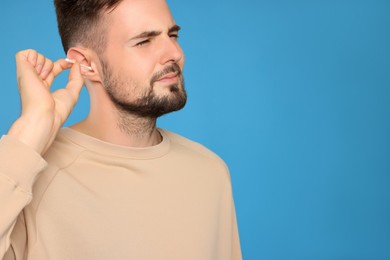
(75, 81)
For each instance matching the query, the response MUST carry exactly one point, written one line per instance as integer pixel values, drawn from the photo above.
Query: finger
(46, 69)
(24, 68)
(40, 62)
(61, 65)
(32, 57)
(58, 67)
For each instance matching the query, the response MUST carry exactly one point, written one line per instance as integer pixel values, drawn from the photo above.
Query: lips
(169, 76)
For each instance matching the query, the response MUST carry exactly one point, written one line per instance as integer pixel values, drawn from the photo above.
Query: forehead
(136, 16)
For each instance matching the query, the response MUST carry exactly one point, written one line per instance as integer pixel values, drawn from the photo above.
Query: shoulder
(62, 154)
(192, 147)
(63, 151)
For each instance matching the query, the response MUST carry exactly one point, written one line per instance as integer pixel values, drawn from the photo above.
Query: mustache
(173, 68)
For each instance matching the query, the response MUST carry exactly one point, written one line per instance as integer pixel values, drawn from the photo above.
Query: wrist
(33, 131)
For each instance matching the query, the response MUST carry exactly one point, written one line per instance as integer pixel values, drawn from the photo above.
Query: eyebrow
(148, 34)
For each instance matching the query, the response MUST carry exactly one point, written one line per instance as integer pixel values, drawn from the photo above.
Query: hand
(43, 112)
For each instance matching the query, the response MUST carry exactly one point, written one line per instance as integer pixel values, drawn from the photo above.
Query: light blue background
(294, 95)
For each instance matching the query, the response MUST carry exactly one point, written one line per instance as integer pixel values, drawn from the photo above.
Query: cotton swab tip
(82, 65)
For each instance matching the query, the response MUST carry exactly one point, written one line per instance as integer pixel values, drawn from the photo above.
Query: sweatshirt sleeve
(19, 166)
(236, 247)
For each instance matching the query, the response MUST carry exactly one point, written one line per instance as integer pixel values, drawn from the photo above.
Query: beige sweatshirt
(95, 200)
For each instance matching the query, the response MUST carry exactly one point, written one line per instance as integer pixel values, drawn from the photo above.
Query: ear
(88, 58)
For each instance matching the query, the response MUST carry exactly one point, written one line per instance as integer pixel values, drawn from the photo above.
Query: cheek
(138, 67)
(132, 77)
(135, 78)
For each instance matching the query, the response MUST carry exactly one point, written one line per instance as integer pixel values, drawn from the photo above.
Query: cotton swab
(82, 65)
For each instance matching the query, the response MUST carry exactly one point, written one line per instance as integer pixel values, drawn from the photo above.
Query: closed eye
(142, 43)
(175, 36)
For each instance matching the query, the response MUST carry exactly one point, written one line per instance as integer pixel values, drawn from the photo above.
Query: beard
(148, 105)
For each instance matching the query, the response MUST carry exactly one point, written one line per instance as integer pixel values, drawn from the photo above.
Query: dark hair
(80, 21)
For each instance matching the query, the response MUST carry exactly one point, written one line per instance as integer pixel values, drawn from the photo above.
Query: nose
(171, 51)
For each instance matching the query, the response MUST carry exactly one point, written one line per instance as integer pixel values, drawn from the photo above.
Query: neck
(120, 128)
(139, 128)
(108, 123)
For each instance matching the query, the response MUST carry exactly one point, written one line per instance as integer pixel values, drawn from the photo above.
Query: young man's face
(143, 61)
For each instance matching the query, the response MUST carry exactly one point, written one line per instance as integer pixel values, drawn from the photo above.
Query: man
(112, 186)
